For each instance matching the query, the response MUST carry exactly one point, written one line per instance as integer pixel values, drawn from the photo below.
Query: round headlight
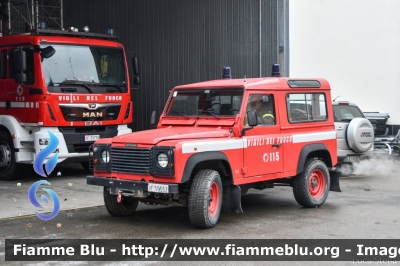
(95, 149)
(105, 156)
(162, 160)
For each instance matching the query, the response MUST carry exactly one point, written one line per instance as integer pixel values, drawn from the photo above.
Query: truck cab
(74, 85)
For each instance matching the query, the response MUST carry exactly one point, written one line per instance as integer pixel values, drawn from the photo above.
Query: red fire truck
(73, 84)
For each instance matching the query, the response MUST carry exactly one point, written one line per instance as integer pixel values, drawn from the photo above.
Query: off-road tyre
(205, 199)
(9, 169)
(311, 187)
(126, 207)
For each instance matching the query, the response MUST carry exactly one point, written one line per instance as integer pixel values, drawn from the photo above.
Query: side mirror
(135, 65)
(19, 66)
(153, 120)
(252, 118)
(136, 80)
(136, 71)
(47, 52)
(19, 61)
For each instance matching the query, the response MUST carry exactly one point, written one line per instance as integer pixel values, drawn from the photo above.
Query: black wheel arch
(318, 150)
(5, 129)
(214, 160)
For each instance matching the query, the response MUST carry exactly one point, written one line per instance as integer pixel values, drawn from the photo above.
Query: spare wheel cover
(360, 135)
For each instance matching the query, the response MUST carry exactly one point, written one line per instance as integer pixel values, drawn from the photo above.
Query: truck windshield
(85, 69)
(209, 102)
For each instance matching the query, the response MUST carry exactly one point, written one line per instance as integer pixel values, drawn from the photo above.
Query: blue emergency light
(276, 70)
(226, 73)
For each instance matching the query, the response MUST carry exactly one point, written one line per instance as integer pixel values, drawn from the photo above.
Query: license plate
(157, 188)
(91, 137)
(352, 159)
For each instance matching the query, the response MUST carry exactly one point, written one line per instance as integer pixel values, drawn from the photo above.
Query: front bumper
(135, 188)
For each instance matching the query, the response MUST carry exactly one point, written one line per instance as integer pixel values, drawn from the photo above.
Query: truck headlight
(162, 160)
(105, 156)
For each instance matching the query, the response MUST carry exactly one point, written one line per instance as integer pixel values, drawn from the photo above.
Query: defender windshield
(85, 69)
(209, 102)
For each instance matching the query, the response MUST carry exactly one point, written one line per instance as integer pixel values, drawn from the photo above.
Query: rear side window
(302, 107)
(345, 113)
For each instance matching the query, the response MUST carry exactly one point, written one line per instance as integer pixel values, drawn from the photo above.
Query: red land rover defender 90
(217, 139)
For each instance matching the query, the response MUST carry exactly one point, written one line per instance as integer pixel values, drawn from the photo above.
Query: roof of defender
(272, 83)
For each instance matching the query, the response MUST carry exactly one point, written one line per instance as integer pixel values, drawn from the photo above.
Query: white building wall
(354, 44)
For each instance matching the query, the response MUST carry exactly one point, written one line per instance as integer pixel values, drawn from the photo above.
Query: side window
(3, 66)
(263, 104)
(306, 107)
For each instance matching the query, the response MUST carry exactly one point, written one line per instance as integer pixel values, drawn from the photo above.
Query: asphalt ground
(367, 208)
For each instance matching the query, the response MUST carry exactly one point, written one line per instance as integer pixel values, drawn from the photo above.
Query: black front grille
(134, 161)
(103, 113)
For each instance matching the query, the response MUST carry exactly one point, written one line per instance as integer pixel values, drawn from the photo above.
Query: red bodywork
(27, 107)
(264, 153)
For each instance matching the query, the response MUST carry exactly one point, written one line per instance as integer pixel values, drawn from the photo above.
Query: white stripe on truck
(231, 144)
(298, 138)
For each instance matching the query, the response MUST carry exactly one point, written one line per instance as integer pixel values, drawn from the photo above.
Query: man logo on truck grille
(52, 162)
(93, 114)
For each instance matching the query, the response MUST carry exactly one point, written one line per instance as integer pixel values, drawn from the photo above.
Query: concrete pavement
(70, 186)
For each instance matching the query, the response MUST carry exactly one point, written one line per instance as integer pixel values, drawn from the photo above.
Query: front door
(263, 152)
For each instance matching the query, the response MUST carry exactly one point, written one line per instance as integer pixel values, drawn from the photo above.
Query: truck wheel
(9, 169)
(205, 199)
(311, 187)
(126, 207)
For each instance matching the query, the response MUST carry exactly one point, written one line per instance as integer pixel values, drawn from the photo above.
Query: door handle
(276, 145)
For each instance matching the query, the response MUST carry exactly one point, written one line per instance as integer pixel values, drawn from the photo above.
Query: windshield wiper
(113, 87)
(71, 82)
(211, 112)
(68, 90)
(179, 112)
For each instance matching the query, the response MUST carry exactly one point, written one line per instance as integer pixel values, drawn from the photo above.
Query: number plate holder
(91, 137)
(158, 188)
(352, 159)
